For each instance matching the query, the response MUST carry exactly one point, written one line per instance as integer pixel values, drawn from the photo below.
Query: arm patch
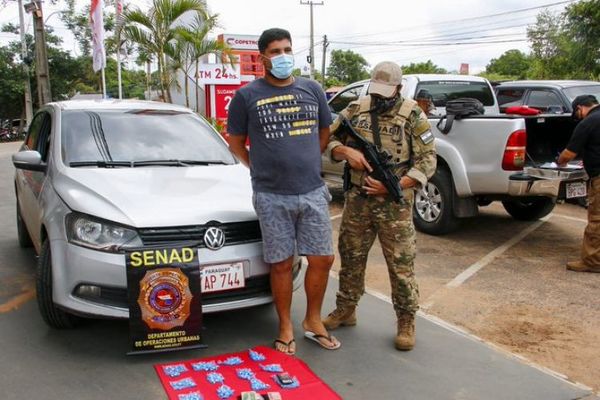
(426, 137)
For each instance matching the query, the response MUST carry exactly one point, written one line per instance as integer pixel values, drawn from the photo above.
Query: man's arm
(324, 134)
(565, 157)
(237, 145)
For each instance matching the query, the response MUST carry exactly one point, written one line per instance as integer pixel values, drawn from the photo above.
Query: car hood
(159, 196)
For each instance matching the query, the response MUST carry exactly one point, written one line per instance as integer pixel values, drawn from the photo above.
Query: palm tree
(155, 31)
(195, 45)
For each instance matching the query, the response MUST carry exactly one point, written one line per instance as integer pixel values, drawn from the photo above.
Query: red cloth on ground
(311, 387)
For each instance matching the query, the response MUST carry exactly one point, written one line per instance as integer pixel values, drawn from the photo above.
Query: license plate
(576, 189)
(216, 278)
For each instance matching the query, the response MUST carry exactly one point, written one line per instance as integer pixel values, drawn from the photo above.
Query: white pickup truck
(492, 157)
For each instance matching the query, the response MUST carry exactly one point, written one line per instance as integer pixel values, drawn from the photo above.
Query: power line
(462, 19)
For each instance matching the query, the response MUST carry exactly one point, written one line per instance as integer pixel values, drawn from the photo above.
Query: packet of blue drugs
(256, 356)
(215, 377)
(205, 366)
(225, 392)
(232, 361)
(191, 396)
(271, 367)
(174, 370)
(244, 373)
(184, 383)
(258, 385)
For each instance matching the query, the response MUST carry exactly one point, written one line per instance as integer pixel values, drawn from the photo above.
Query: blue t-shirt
(283, 126)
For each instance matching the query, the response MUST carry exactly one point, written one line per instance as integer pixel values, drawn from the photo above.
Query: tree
(192, 44)
(347, 66)
(423, 68)
(155, 31)
(11, 85)
(513, 64)
(583, 26)
(550, 47)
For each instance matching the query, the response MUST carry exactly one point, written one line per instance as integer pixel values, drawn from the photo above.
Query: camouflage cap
(385, 78)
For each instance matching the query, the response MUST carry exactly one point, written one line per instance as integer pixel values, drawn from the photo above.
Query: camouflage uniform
(405, 133)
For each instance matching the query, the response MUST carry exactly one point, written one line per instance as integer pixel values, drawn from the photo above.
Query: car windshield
(128, 138)
(444, 91)
(575, 91)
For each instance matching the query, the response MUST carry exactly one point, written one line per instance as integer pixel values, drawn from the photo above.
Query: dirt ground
(523, 300)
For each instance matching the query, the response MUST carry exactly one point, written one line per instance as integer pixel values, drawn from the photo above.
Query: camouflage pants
(363, 219)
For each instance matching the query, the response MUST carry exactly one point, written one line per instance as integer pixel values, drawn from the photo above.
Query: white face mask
(282, 66)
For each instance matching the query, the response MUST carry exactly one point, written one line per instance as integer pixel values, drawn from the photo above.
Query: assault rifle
(379, 160)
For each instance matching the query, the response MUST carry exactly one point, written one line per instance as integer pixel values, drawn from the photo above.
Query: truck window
(444, 91)
(543, 99)
(510, 97)
(342, 99)
(575, 91)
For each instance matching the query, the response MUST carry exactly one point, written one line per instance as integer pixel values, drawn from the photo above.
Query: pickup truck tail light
(514, 152)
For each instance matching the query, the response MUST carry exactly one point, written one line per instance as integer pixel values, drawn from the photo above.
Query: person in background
(585, 141)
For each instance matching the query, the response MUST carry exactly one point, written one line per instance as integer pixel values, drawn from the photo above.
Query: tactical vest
(394, 137)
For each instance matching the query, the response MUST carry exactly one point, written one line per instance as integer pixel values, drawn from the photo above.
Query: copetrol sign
(240, 42)
(219, 74)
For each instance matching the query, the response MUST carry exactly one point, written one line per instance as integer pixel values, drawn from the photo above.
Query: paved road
(90, 362)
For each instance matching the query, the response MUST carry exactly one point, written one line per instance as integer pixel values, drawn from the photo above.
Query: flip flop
(287, 345)
(317, 339)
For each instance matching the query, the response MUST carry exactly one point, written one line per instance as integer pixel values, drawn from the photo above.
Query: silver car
(96, 178)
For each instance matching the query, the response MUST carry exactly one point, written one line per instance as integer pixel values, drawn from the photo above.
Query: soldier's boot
(405, 339)
(345, 316)
(580, 266)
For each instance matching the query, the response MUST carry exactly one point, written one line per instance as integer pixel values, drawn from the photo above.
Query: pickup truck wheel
(22, 232)
(52, 315)
(433, 205)
(529, 209)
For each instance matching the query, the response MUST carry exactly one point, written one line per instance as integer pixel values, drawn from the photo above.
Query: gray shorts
(290, 222)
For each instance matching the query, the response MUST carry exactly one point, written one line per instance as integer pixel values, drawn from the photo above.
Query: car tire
(529, 209)
(433, 209)
(52, 315)
(22, 232)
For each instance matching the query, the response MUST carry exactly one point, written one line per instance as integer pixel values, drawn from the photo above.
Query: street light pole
(41, 56)
(312, 40)
(28, 102)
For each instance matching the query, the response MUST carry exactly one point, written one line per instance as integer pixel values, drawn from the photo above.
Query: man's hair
(271, 35)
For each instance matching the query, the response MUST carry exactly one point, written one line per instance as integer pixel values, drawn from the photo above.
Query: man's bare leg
(315, 283)
(281, 288)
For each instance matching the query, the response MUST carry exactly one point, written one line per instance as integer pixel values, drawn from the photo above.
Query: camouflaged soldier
(405, 133)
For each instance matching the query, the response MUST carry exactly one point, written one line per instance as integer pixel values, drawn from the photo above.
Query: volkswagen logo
(214, 238)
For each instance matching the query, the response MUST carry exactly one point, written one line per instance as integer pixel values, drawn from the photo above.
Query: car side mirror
(29, 160)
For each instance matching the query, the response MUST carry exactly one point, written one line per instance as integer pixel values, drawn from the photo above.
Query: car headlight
(101, 235)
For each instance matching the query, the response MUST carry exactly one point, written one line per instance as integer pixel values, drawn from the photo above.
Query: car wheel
(52, 315)
(529, 209)
(22, 232)
(433, 213)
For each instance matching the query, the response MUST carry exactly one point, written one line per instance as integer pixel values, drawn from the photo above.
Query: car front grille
(235, 233)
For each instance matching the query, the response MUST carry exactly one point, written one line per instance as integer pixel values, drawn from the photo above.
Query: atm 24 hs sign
(219, 74)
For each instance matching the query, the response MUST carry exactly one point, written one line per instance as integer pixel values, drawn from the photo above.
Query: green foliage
(566, 45)
(11, 85)
(423, 68)
(513, 64)
(347, 66)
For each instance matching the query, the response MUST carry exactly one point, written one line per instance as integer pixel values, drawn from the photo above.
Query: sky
(446, 32)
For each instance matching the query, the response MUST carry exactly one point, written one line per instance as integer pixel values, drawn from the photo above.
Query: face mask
(282, 66)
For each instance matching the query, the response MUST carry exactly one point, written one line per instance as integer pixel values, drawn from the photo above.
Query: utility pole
(41, 56)
(24, 57)
(325, 45)
(311, 57)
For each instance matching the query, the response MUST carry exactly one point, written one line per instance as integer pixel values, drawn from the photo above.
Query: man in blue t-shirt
(586, 142)
(287, 121)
